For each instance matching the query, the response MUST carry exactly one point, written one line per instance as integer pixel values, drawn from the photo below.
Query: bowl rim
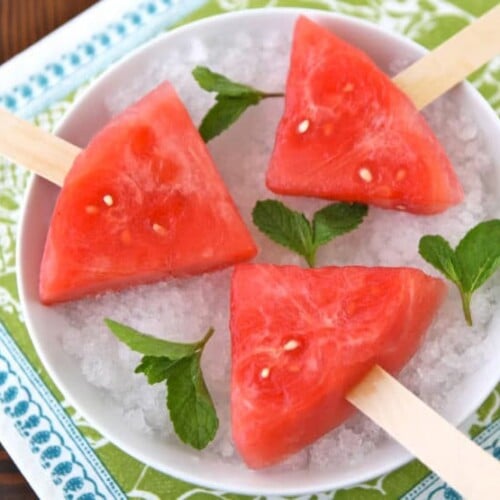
(401, 457)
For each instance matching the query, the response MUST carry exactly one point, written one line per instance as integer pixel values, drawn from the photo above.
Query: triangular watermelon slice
(302, 338)
(142, 202)
(348, 133)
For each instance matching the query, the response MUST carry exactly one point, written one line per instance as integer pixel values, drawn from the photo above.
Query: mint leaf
(479, 254)
(191, 408)
(224, 113)
(471, 264)
(215, 82)
(232, 100)
(284, 226)
(149, 345)
(438, 252)
(336, 219)
(156, 369)
(293, 230)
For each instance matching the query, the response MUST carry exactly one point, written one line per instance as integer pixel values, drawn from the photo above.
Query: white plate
(88, 114)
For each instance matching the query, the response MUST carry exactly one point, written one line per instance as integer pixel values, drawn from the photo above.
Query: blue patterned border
(94, 55)
(433, 488)
(70, 462)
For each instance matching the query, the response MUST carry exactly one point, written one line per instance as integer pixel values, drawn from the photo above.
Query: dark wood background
(22, 23)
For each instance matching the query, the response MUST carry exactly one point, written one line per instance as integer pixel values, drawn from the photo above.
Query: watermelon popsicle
(352, 135)
(142, 202)
(302, 338)
(307, 342)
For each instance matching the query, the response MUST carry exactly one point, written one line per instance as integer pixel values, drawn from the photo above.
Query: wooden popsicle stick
(453, 61)
(44, 154)
(458, 460)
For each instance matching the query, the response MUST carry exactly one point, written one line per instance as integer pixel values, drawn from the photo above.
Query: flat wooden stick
(44, 154)
(458, 460)
(453, 61)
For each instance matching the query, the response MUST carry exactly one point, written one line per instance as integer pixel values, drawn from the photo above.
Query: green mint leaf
(438, 252)
(292, 229)
(224, 113)
(336, 219)
(469, 266)
(479, 254)
(149, 345)
(156, 369)
(232, 100)
(215, 82)
(285, 226)
(191, 408)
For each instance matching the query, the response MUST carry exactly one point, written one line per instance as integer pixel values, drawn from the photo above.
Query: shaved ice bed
(184, 309)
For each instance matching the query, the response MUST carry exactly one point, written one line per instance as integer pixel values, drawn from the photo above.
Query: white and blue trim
(58, 78)
(54, 440)
(433, 488)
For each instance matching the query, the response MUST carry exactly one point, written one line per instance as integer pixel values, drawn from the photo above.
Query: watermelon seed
(108, 200)
(265, 372)
(400, 174)
(303, 126)
(348, 87)
(291, 345)
(365, 174)
(91, 209)
(157, 228)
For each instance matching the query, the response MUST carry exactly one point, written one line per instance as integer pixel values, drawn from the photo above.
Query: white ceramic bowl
(86, 117)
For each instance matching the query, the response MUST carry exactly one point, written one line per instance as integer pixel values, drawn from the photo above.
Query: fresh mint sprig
(190, 405)
(471, 264)
(232, 100)
(293, 230)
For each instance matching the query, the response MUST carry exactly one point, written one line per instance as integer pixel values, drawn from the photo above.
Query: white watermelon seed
(291, 345)
(348, 87)
(303, 126)
(265, 372)
(365, 174)
(159, 229)
(108, 200)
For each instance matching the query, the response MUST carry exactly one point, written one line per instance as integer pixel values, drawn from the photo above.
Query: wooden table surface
(22, 23)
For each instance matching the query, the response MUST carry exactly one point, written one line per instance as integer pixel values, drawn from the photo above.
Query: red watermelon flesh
(302, 338)
(348, 133)
(141, 203)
